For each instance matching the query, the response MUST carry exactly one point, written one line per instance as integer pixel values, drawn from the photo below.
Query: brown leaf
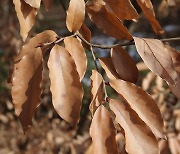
(175, 55)
(86, 33)
(107, 65)
(157, 58)
(139, 138)
(148, 11)
(122, 8)
(26, 16)
(65, 87)
(75, 15)
(34, 3)
(142, 103)
(27, 76)
(102, 131)
(107, 21)
(76, 50)
(96, 91)
(124, 64)
(47, 4)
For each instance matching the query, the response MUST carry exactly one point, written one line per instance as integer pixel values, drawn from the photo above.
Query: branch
(119, 44)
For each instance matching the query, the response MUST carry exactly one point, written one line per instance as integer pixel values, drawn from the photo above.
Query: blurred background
(50, 134)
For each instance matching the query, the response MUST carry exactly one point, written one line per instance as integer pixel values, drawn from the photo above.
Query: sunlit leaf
(139, 138)
(96, 91)
(157, 58)
(27, 76)
(148, 11)
(102, 131)
(65, 87)
(142, 103)
(34, 3)
(75, 15)
(107, 21)
(122, 8)
(124, 64)
(26, 16)
(74, 47)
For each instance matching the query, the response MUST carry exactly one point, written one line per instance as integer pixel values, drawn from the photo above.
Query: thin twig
(94, 59)
(119, 44)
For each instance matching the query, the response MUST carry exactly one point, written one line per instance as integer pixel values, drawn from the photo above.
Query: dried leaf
(47, 4)
(107, 65)
(34, 3)
(76, 50)
(75, 15)
(139, 138)
(96, 91)
(27, 76)
(157, 58)
(107, 21)
(122, 8)
(147, 81)
(26, 16)
(142, 104)
(148, 11)
(102, 131)
(86, 33)
(65, 87)
(175, 55)
(124, 64)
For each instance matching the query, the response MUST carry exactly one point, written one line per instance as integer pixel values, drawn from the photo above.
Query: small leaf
(27, 76)
(86, 33)
(139, 138)
(175, 55)
(107, 21)
(76, 50)
(157, 58)
(47, 4)
(26, 16)
(148, 11)
(107, 65)
(75, 15)
(96, 91)
(34, 3)
(124, 64)
(102, 131)
(142, 104)
(122, 8)
(65, 87)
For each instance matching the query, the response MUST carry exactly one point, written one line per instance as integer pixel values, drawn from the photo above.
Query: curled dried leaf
(34, 3)
(142, 103)
(139, 138)
(157, 58)
(26, 16)
(65, 87)
(76, 50)
(102, 131)
(75, 15)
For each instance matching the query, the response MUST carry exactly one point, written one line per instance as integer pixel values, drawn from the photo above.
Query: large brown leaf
(176, 61)
(142, 103)
(148, 11)
(27, 76)
(139, 138)
(65, 87)
(124, 64)
(157, 58)
(102, 131)
(96, 91)
(107, 21)
(74, 47)
(107, 65)
(75, 15)
(26, 16)
(122, 8)
(34, 3)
